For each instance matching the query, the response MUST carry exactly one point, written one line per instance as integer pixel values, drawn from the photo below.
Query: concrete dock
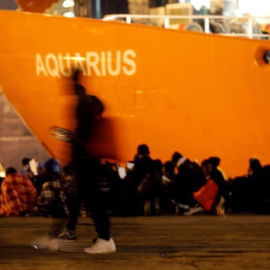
(163, 242)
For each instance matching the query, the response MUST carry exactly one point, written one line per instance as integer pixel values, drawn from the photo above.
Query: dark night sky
(8, 4)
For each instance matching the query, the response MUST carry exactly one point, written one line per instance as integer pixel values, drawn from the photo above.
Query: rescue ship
(174, 90)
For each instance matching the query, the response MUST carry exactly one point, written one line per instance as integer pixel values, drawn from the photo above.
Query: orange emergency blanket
(207, 195)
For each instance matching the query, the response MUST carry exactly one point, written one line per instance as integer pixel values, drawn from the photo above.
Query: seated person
(190, 178)
(49, 201)
(18, 194)
(31, 170)
(143, 165)
(151, 189)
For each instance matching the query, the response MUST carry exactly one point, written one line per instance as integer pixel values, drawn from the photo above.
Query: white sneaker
(101, 246)
(193, 210)
(45, 242)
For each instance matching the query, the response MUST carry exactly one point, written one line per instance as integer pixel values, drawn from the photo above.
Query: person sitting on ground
(259, 187)
(169, 177)
(18, 194)
(208, 194)
(222, 202)
(31, 170)
(26, 167)
(150, 189)
(250, 193)
(214, 195)
(190, 178)
(143, 165)
(49, 201)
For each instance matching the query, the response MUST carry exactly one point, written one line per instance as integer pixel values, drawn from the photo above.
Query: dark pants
(88, 172)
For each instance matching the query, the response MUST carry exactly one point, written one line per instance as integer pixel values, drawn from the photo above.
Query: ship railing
(245, 26)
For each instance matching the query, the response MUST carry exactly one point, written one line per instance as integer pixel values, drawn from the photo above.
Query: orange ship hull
(202, 95)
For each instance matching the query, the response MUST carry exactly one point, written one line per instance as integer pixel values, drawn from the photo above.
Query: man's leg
(94, 201)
